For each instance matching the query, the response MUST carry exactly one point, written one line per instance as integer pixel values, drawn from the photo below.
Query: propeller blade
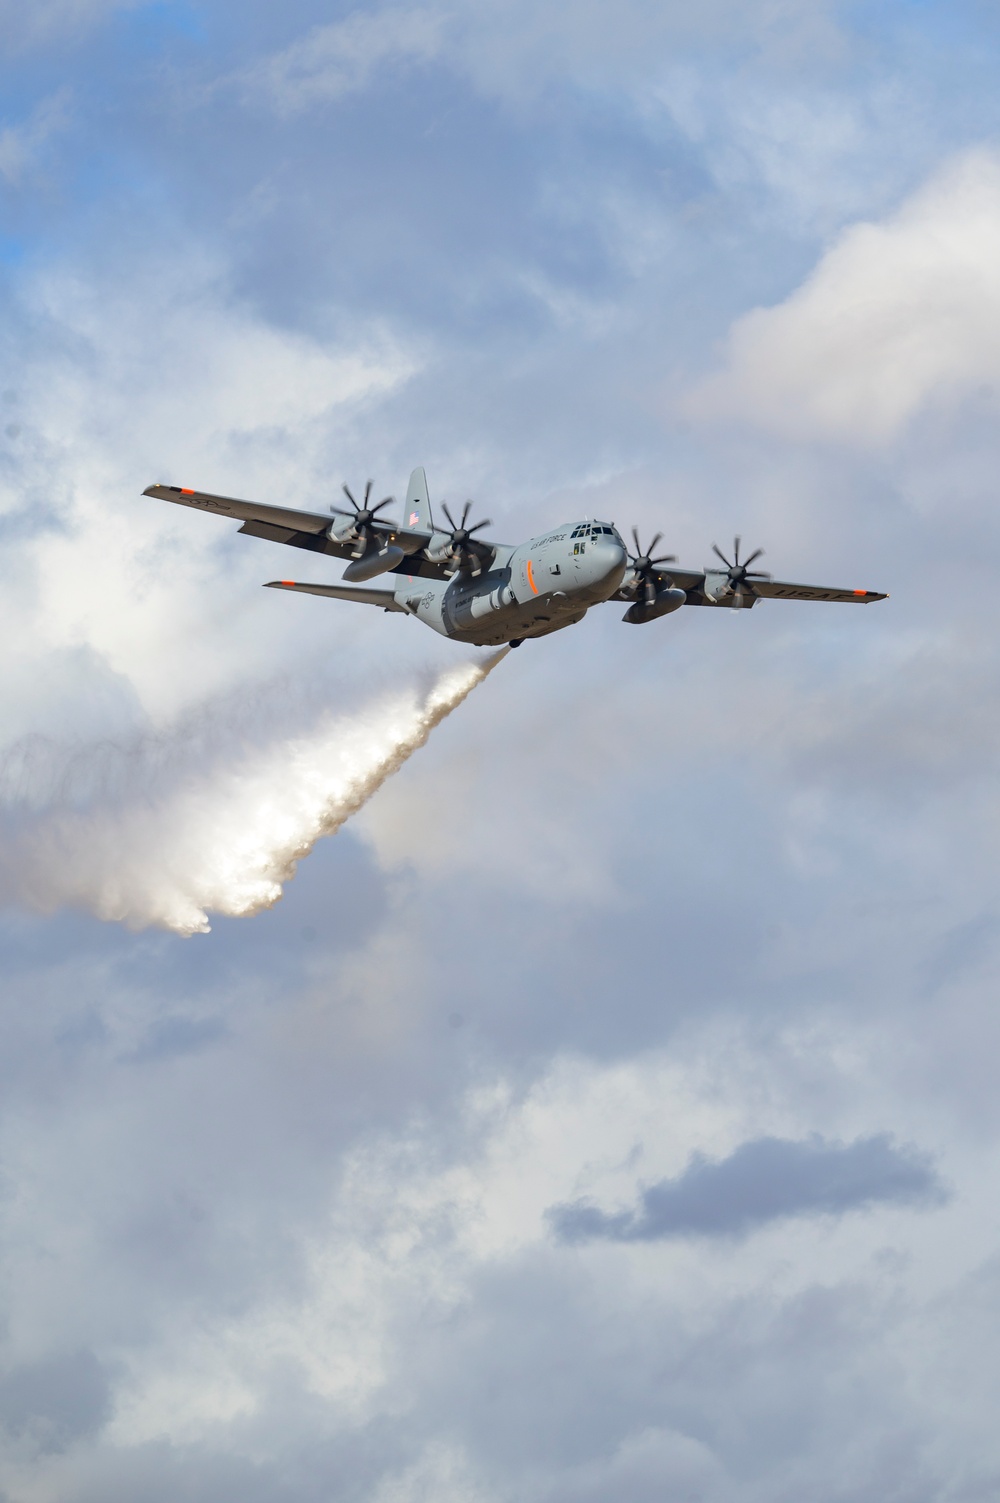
(758, 574)
(717, 550)
(465, 513)
(650, 590)
(368, 491)
(635, 539)
(451, 520)
(759, 553)
(657, 539)
(350, 498)
(736, 552)
(470, 530)
(664, 558)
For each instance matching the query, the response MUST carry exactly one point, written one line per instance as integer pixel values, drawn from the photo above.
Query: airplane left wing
(283, 517)
(304, 529)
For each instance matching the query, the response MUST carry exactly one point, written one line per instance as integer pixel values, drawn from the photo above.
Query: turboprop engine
(372, 555)
(728, 587)
(655, 593)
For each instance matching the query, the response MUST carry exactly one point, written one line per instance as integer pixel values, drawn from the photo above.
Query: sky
(607, 1107)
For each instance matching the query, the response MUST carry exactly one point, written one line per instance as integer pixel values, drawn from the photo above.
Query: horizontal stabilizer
(385, 598)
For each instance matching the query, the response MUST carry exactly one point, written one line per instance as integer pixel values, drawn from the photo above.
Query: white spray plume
(228, 840)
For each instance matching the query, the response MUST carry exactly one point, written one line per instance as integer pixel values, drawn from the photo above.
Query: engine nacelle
(717, 587)
(718, 590)
(375, 561)
(665, 602)
(342, 529)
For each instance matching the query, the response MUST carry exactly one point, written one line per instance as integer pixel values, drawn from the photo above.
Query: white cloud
(899, 317)
(161, 375)
(344, 57)
(35, 24)
(21, 145)
(515, 50)
(423, 1218)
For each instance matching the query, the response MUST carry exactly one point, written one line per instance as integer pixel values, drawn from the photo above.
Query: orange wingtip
(861, 592)
(186, 492)
(287, 582)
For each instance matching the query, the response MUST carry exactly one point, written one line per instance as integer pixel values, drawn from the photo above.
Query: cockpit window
(593, 530)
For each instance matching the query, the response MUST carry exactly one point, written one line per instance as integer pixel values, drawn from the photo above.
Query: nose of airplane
(608, 559)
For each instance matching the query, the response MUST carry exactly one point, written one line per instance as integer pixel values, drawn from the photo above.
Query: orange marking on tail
(531, 579)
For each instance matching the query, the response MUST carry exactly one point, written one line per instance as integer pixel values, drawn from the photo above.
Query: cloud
(56, 1400)
(900, 315)
(765, 1180)
(343, 58)
(22, 145)
(520, 49)
(156, 370)
(298, 1219)
(23, 26)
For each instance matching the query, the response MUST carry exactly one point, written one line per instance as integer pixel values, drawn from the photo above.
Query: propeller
(644, 565)
(458, 543)
(739, 573)
(364, 515)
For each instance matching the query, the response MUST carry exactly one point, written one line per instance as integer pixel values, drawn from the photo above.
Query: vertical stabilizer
(417, 512)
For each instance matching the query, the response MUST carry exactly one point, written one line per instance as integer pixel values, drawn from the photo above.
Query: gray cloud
(55, 1401)
(764, 1180)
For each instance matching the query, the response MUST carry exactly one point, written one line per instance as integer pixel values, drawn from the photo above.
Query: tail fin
(417, 512)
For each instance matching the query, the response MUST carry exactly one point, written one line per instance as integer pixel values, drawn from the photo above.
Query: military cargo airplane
(488, 594)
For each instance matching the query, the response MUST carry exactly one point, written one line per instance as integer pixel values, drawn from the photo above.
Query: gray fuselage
(531, 590)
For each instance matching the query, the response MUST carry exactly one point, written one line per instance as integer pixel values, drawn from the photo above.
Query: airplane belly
(468, 603)
(487, 612)
(510, 619)
(536, 589)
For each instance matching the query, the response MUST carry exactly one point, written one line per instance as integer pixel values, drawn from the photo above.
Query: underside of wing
(712, 587)
(245, 511)
(775, 589)
(684, 579)
(384, 598)
(311, 530)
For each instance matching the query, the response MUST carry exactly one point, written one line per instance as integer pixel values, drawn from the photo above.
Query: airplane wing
(703, 587)
(302, 529)
(774, 589)
(246, 511)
